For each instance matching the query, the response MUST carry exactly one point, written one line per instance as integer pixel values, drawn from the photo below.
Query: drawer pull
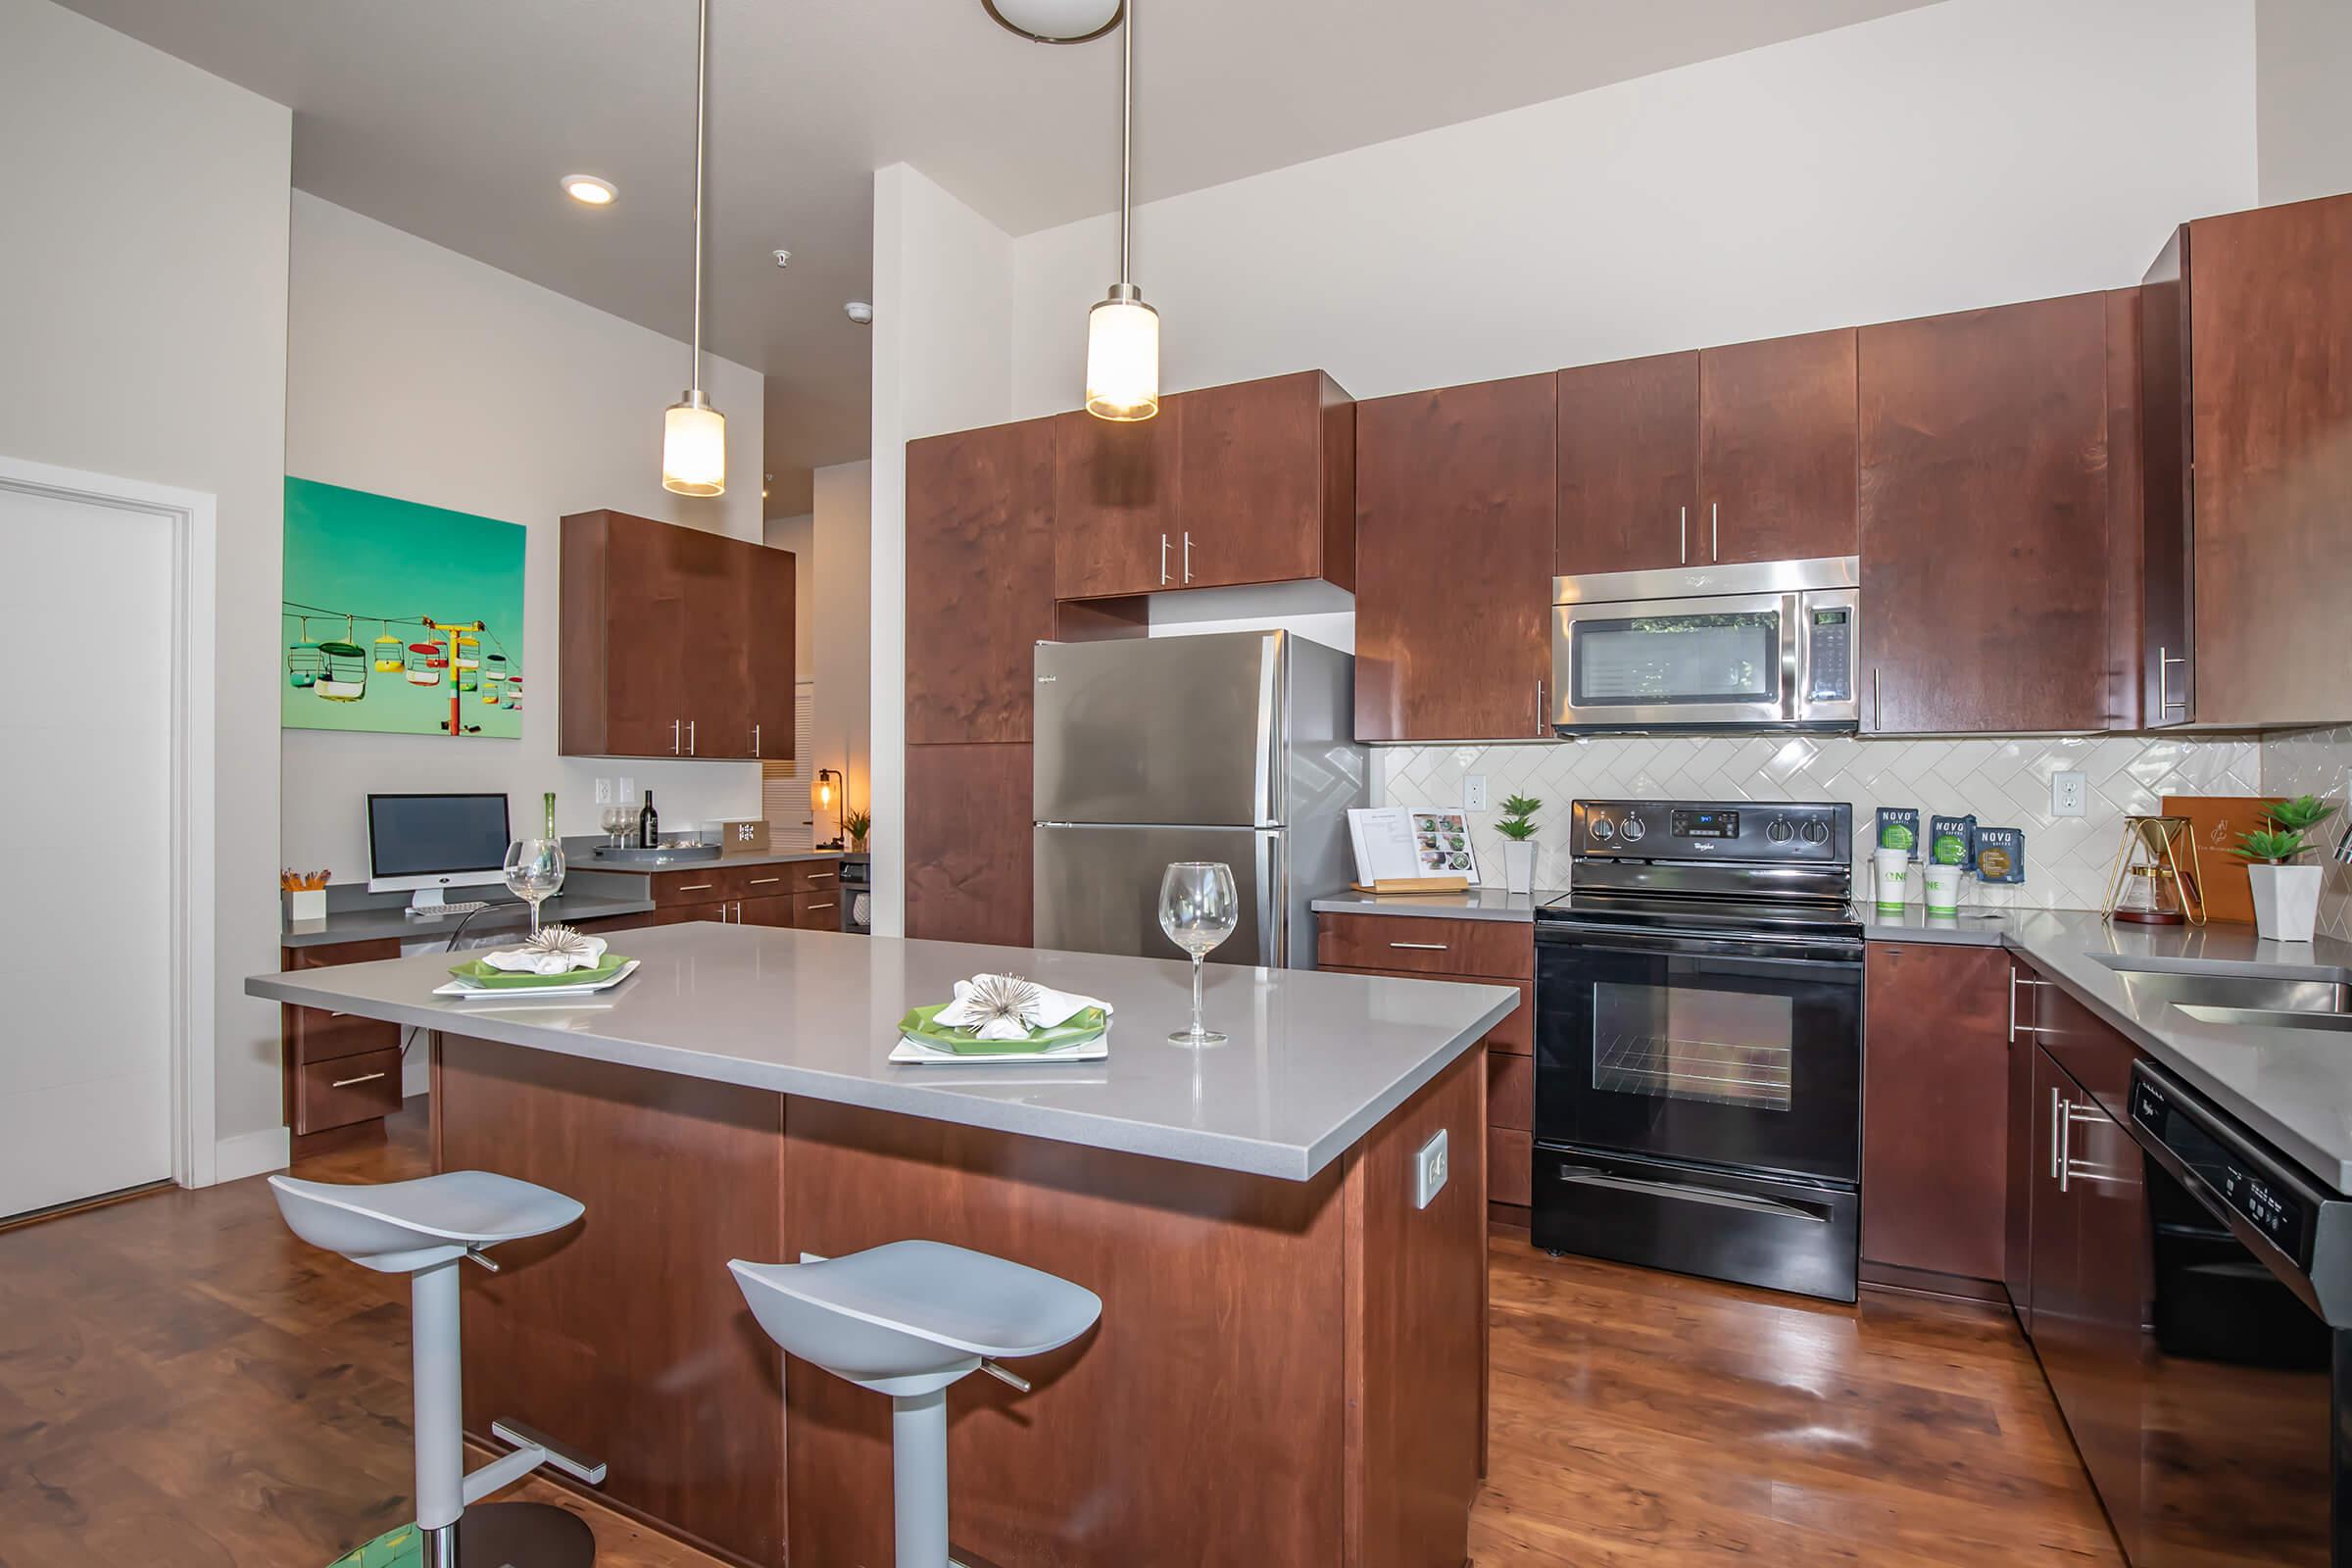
(822, 876)
(364, 1078)
(698, 887)
(1421, 947)
(813, 907)
(762, 881)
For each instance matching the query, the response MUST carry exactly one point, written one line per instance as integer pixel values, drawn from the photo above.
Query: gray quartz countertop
(1315, 1061)
(588, 861)
(1474, 903)
(377, 923)
(1972, 928)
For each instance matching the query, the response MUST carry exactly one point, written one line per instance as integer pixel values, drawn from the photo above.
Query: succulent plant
(2281, 843)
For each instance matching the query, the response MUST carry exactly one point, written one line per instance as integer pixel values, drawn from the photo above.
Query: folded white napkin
(526, 960)
(1035, 1006)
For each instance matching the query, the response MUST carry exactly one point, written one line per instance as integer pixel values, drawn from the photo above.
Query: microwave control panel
(1830, 640)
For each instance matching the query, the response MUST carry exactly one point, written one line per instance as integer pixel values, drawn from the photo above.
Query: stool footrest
(562, 1456)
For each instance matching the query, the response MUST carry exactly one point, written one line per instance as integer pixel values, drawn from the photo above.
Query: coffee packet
(1899, 829)
(2000, 854)
(1952, 841)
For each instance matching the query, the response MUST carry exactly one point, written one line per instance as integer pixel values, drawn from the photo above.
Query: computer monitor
(431, 841)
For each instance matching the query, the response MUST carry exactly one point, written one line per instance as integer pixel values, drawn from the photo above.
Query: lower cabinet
(340, 1074)
(968, 835)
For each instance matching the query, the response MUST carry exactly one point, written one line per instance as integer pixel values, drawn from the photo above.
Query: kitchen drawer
(1514, 1034)
(817, 911)
(1510, 1165)
(348, 1089)
(1511, 1091)
(327, 955)
(1497, 948)
(315, 1035)
(714, 883)
(2099, 1058)
(814, 876)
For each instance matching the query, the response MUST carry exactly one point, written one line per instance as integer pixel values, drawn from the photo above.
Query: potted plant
(859, 824)
(1518, 830)
(2286, 896)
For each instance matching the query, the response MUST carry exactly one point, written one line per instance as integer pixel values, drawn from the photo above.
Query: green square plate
(473, 971)
(917, 1026)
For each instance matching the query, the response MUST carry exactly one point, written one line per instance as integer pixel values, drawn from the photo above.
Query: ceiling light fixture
(1122, 332)
(589, 191)
(694, 434)
(1056, 20)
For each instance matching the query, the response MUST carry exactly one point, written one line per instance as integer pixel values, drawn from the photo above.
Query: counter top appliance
(1699, 1044)
(1751, 646)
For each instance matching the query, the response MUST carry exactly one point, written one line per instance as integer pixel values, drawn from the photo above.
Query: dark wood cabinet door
(1936, 1109)
(980, 550)
(624, 638)
(2126, 514)
(2167, 552)
(1629, 465)
(774, 912)
(1777, 450)
(771, 618)
(969, 834)
(1985, 520)
(2025, 987)
(1455, 499)
(817, 911)
(1115, 492)
(715, 697)
(1266, 491)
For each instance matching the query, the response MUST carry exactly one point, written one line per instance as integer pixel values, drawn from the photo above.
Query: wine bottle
(649, 825)
(551, 814)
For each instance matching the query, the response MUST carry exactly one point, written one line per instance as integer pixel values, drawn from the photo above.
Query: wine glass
(534, 872)
(1197, 909)
(617, 820)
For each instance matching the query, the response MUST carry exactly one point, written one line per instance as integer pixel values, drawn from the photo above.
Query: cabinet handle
(1421, 947)
(698, 887)
(755, 740)
(1875, 719)
(1188, 557)
(2057, 1139)
(2016, 1028)
(822, 876)
(762, 881)
(1163, 560)
(2165, 660)
(677, 737)
(1541, 727)
(1714, 531)
(364, 1078)
(689, 737)
(1683, 549)
(813, 907)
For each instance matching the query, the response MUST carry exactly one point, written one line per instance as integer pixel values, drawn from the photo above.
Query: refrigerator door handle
(1272, 902)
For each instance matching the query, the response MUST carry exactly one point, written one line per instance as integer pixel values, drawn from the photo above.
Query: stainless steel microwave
(1757, 646)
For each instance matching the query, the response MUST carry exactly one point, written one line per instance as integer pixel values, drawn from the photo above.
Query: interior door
(85, 1069)
(1098, 889)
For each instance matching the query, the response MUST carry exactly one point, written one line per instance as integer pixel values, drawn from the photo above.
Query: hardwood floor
(183, 1380)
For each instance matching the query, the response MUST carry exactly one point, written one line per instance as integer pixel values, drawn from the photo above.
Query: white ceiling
(453, 119)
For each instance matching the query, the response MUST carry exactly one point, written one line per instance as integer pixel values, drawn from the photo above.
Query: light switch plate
(2070, 796)
(1429, 1170)
(628, 790)
(1474, 793)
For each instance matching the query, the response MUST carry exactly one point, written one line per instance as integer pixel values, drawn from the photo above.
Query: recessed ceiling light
(589, 191)
(1057, 21)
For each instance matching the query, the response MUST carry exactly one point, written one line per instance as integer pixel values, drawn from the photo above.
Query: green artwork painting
(400, 618)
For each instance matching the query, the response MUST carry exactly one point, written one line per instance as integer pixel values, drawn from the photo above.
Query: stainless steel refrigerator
(1229, 746)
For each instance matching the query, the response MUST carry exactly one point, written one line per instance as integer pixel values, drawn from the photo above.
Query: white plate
(516, 994)
(915, 1051)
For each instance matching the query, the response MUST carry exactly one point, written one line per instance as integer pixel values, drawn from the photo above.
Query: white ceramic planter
(2286, 901)
(1519, 865)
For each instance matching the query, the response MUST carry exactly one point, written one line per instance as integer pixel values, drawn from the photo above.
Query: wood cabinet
(1115, 489)
(663, 631)
(968, 843)
(1936, 1109)
(2247, 357)
(1456, 492)
(1984, 520)
(1629, 465)
(980, 579)
(339, 1075)
(1776, 449)
(2026, 988)
(1266, 488)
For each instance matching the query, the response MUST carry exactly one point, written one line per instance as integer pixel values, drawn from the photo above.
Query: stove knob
(1817, 832)
(1603, 829)
(1780, 832)
(1633, 830)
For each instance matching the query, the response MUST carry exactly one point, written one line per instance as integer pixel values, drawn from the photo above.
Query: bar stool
(422, 1228)
(907, 1319)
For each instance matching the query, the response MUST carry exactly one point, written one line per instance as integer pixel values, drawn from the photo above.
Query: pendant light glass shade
(1122, 356)
(694, 447)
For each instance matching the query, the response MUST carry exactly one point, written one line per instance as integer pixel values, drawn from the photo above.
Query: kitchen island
(1290, 1368)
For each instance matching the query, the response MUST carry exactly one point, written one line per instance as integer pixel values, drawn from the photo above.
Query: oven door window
(1726, 659)
(1751, 1063)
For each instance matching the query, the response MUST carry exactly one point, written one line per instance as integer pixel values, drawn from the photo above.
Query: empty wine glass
(534, 872)
(1197, 909)
(617, 820)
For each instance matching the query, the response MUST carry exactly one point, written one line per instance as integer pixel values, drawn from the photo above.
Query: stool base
(517, 1534)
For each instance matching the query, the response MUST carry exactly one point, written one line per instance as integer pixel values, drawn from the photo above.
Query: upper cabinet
(1268, 488)
(2247, 355)
(1456, 492)
(1776, 450)
(1735, 453)
(980, 572)
(1629, 465)
(674, 642)
(1115, 487)
(1984, 507)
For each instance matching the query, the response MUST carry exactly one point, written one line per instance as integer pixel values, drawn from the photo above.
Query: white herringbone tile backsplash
(2317, 761)
(2005, 782)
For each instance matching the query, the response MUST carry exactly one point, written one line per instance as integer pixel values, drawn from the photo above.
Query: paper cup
(1943, 890)
(1893, 870)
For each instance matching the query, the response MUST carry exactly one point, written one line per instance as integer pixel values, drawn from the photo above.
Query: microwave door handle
(1797, 658)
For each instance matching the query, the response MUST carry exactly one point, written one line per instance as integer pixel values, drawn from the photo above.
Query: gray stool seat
(400, 1227)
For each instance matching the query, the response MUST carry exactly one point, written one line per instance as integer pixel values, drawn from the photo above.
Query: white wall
(2303, 75)
(1969, 153)
(417, 373)
(142, 334)
(943, 361)
(840, 720)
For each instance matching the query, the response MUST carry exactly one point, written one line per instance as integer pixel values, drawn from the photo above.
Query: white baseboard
(252, 1154)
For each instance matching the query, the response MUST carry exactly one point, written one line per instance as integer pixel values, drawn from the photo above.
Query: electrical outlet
(1429, 1170)
(2070, 795)
(604, 791)
(1474, 793)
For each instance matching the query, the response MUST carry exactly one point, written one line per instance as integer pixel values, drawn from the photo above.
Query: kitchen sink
(2269, 1018)
(2238, 994)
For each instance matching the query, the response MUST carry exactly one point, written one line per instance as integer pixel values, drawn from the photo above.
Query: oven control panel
(1695, 830)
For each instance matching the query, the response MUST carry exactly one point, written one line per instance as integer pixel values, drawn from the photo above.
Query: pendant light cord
(1126, 135)
(701, 71)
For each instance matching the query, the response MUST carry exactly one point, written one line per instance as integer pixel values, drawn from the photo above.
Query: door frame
(194, 643)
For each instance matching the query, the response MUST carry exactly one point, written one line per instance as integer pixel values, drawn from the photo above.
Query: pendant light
(694, 434)
(1122, 332)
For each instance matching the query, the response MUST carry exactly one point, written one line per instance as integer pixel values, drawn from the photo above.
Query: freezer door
(1162, 729)
(1098, 889)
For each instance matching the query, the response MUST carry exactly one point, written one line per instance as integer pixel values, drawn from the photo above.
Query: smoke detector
(783, 257)
(859, 312)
